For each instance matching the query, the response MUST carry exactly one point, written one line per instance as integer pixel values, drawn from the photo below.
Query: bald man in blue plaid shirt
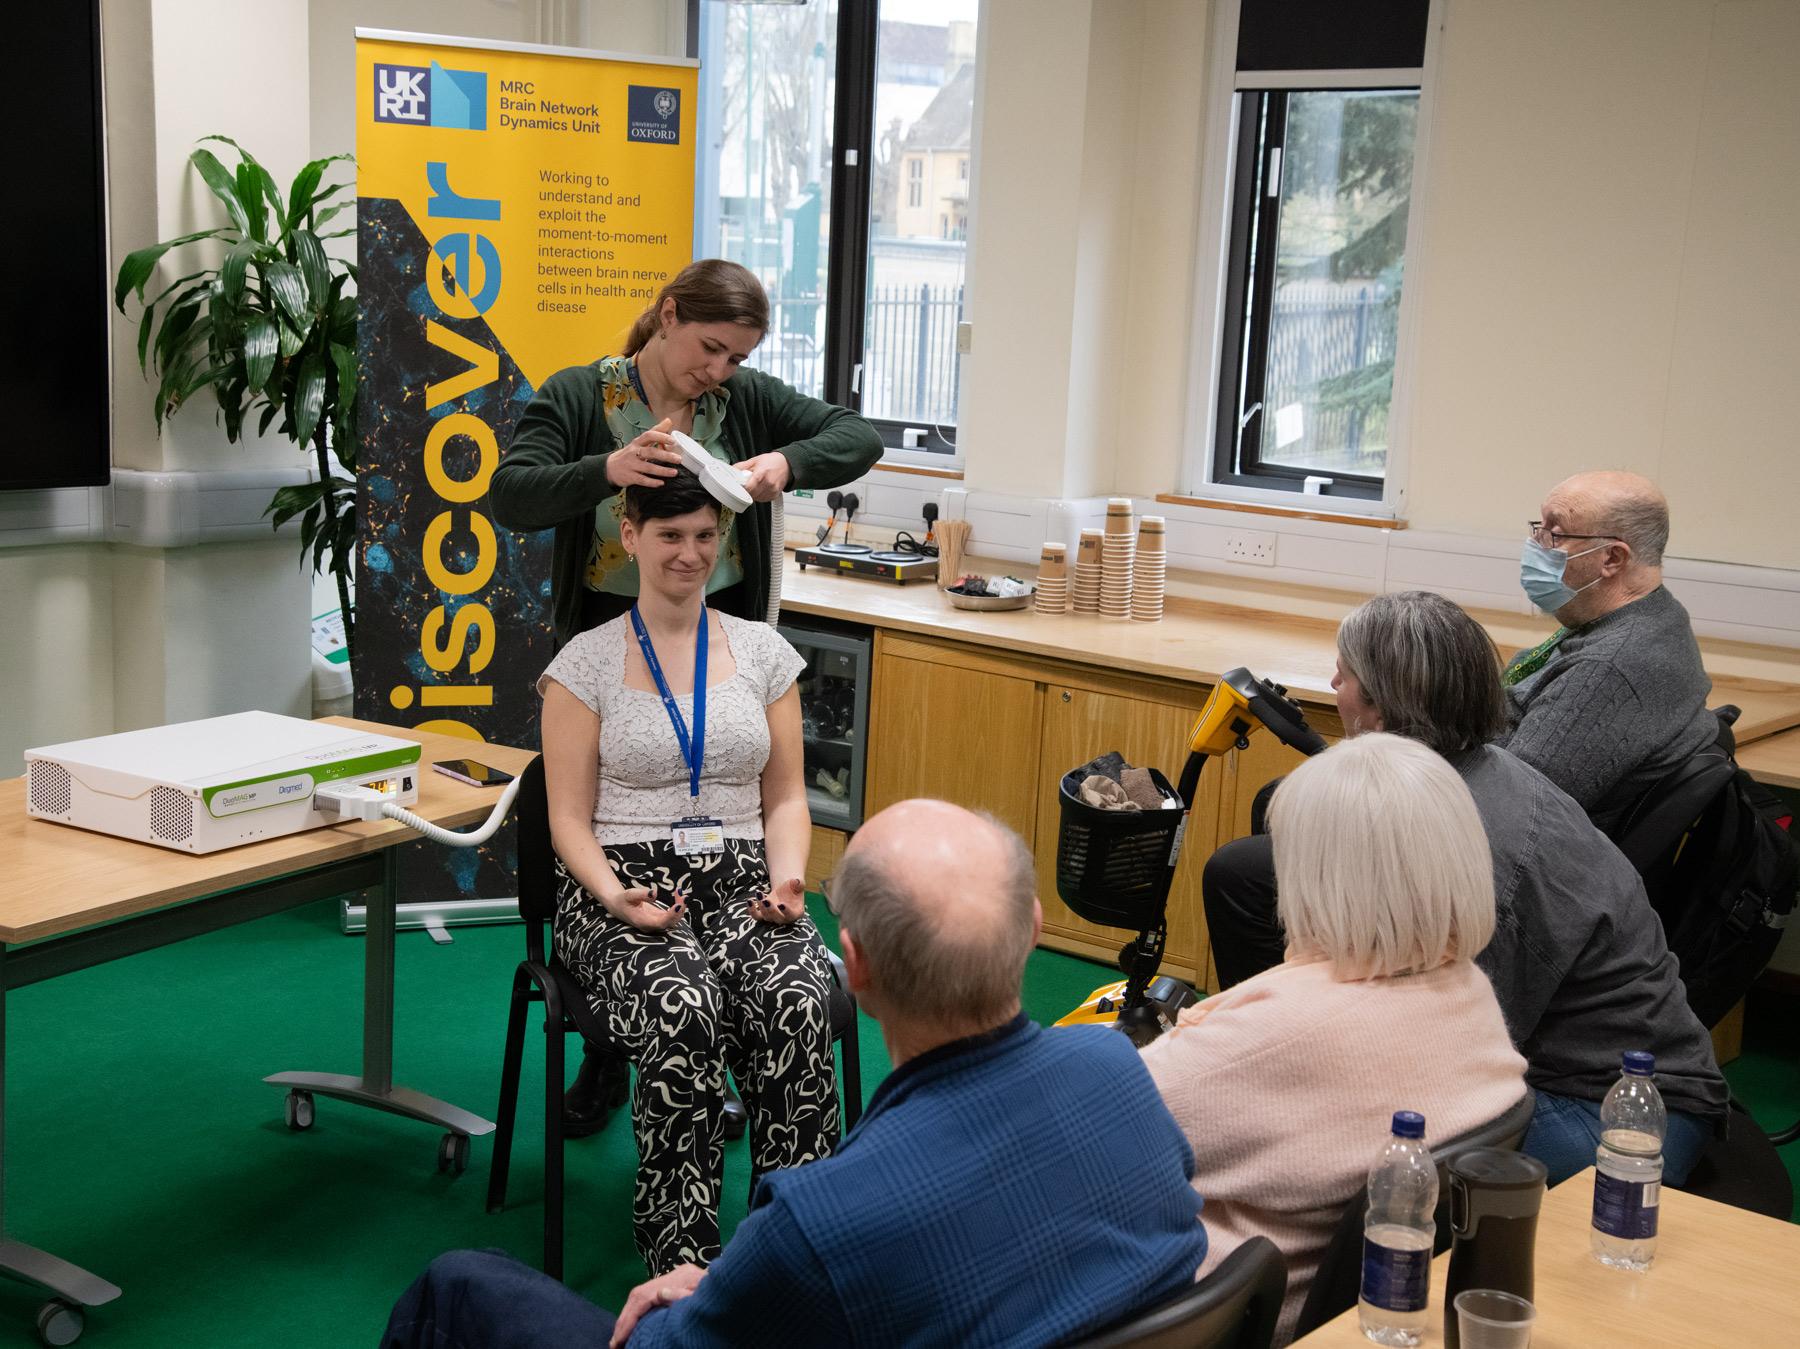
(1007, 1185)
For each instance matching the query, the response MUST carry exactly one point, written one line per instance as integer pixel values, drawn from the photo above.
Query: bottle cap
(1409, 1124)
(1640, 1062)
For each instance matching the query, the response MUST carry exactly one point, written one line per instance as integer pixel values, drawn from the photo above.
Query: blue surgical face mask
(1541, 575)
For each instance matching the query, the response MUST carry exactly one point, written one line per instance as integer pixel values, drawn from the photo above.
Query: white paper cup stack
(1053, 580)
(1149, 571)
(1117, 548)
(1086, 592)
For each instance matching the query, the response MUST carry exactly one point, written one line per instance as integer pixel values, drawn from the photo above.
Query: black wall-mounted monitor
(55, 388)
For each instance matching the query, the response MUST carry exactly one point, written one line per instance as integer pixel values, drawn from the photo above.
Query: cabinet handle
(1066, 697)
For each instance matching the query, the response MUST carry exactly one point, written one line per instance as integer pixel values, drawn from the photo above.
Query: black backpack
(1719, 861)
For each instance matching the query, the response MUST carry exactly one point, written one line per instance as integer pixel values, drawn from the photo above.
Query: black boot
(600, 1088)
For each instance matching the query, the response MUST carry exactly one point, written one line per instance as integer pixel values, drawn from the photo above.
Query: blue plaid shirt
(1021, 1187)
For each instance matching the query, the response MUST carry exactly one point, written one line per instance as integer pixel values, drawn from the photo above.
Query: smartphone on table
(473, 772)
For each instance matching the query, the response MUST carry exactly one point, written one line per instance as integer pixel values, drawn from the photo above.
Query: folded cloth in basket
(1103, 793)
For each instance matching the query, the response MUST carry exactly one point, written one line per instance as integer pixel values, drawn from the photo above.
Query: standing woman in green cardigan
(595, 429)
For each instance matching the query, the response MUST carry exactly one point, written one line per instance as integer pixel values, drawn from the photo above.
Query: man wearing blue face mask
(1616, 697)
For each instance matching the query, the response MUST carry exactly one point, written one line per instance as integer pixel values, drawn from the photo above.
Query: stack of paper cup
(1149, 571)
(1086, 593)
(1117, 547)
(1053, 580)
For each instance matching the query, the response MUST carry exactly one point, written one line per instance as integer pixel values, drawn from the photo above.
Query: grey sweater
(1578, 959)
(1620, 703)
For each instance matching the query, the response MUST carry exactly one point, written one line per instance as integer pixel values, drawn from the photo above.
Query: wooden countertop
(1774, 760)
(1197, 641)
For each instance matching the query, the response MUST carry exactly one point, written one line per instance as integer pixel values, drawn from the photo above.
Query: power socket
(1254, 549)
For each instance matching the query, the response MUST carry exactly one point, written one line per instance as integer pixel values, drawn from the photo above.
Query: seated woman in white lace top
(673, 763)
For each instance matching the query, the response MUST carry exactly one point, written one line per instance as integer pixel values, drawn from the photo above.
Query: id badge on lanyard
(693, 835)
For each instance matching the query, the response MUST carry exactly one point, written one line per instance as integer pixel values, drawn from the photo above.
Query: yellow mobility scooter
(1115, 867)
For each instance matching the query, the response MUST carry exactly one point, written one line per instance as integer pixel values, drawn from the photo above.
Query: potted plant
(269, 324)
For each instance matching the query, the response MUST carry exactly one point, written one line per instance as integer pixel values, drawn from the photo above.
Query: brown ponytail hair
(711, 290)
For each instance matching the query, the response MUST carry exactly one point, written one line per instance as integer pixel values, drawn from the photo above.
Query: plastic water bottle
(1629, 1164)
(1398, 1233)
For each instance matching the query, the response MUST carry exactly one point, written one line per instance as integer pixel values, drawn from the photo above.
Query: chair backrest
(1237, 1306)
(1338, 1280)
(537, 858)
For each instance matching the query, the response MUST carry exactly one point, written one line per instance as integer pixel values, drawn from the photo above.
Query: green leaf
(288, 286)
(309, 397)
(292, 339)
(304, 194)
(223, 186)
(249, 192)
(237, 263)
(290, 501)
(138, 265)
(315, 268)
(325, 217)
(144, 326)
(262, 425)
(175, 285)
(261, 343)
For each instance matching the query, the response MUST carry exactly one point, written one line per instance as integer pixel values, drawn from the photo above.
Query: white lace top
(643, 784)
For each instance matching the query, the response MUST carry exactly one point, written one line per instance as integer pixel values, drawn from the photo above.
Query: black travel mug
(1494, 1201)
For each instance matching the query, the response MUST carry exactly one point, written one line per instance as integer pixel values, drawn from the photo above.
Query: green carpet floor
(142, 1144)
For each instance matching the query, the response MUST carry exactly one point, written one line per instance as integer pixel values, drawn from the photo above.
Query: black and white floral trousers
(717, 990)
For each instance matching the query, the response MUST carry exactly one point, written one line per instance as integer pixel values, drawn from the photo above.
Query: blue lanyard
(694, 753)
(637, 382)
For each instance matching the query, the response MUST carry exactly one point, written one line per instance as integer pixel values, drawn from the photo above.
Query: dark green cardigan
(553, 475)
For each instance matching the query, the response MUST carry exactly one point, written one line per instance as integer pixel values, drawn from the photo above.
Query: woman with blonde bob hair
(1285, 1085)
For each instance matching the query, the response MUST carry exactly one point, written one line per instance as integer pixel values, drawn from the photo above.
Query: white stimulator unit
(718, 477)
(204, 785)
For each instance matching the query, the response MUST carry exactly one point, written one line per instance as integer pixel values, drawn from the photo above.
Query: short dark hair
(677, 496)
(1431, 670)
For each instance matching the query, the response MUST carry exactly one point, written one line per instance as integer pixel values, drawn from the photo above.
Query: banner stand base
(436, 919)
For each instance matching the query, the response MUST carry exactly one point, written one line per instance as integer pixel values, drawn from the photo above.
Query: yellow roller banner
(517, 208)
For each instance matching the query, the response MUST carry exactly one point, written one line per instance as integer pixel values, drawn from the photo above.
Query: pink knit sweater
(1286, 1086)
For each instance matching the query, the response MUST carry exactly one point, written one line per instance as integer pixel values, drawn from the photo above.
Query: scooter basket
(1114, 867)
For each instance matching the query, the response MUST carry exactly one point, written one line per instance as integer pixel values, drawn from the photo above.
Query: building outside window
(867, 298)
(1311, 163)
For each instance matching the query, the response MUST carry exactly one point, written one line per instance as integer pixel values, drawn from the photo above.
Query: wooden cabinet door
(1080, 724)
(956, 732)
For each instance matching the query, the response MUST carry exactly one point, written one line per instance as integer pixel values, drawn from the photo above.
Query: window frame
(1220, 280)
(848, 233)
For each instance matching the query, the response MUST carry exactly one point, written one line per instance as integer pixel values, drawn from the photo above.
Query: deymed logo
(653, 114)
(431, 96)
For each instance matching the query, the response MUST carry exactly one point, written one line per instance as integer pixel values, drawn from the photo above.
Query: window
(834, 144)
(1313, 206)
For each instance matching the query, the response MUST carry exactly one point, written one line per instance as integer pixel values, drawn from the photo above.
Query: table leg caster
(453, 1153)
(60, 1322)
(299, 1110)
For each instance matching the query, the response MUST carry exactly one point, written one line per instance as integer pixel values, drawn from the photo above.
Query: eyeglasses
(1549, 538)
(825, 886)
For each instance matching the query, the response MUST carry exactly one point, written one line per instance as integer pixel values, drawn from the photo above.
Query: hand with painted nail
(784, 904)
(658, 1292)
(642, 909)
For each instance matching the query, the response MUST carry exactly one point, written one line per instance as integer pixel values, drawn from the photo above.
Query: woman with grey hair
(1378, 1007)
(1578, 958)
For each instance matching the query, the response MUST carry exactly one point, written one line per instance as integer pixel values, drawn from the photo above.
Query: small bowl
(988, 602)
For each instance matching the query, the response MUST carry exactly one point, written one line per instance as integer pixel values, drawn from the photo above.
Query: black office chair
(1338, 1282)
(1744, 1170)
(1235, 1307)
(542, 977)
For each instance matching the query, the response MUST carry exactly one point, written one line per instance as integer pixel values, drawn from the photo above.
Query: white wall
(1612, 277)
(1608, 271)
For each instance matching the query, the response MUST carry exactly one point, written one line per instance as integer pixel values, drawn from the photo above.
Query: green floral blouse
(628, 417)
